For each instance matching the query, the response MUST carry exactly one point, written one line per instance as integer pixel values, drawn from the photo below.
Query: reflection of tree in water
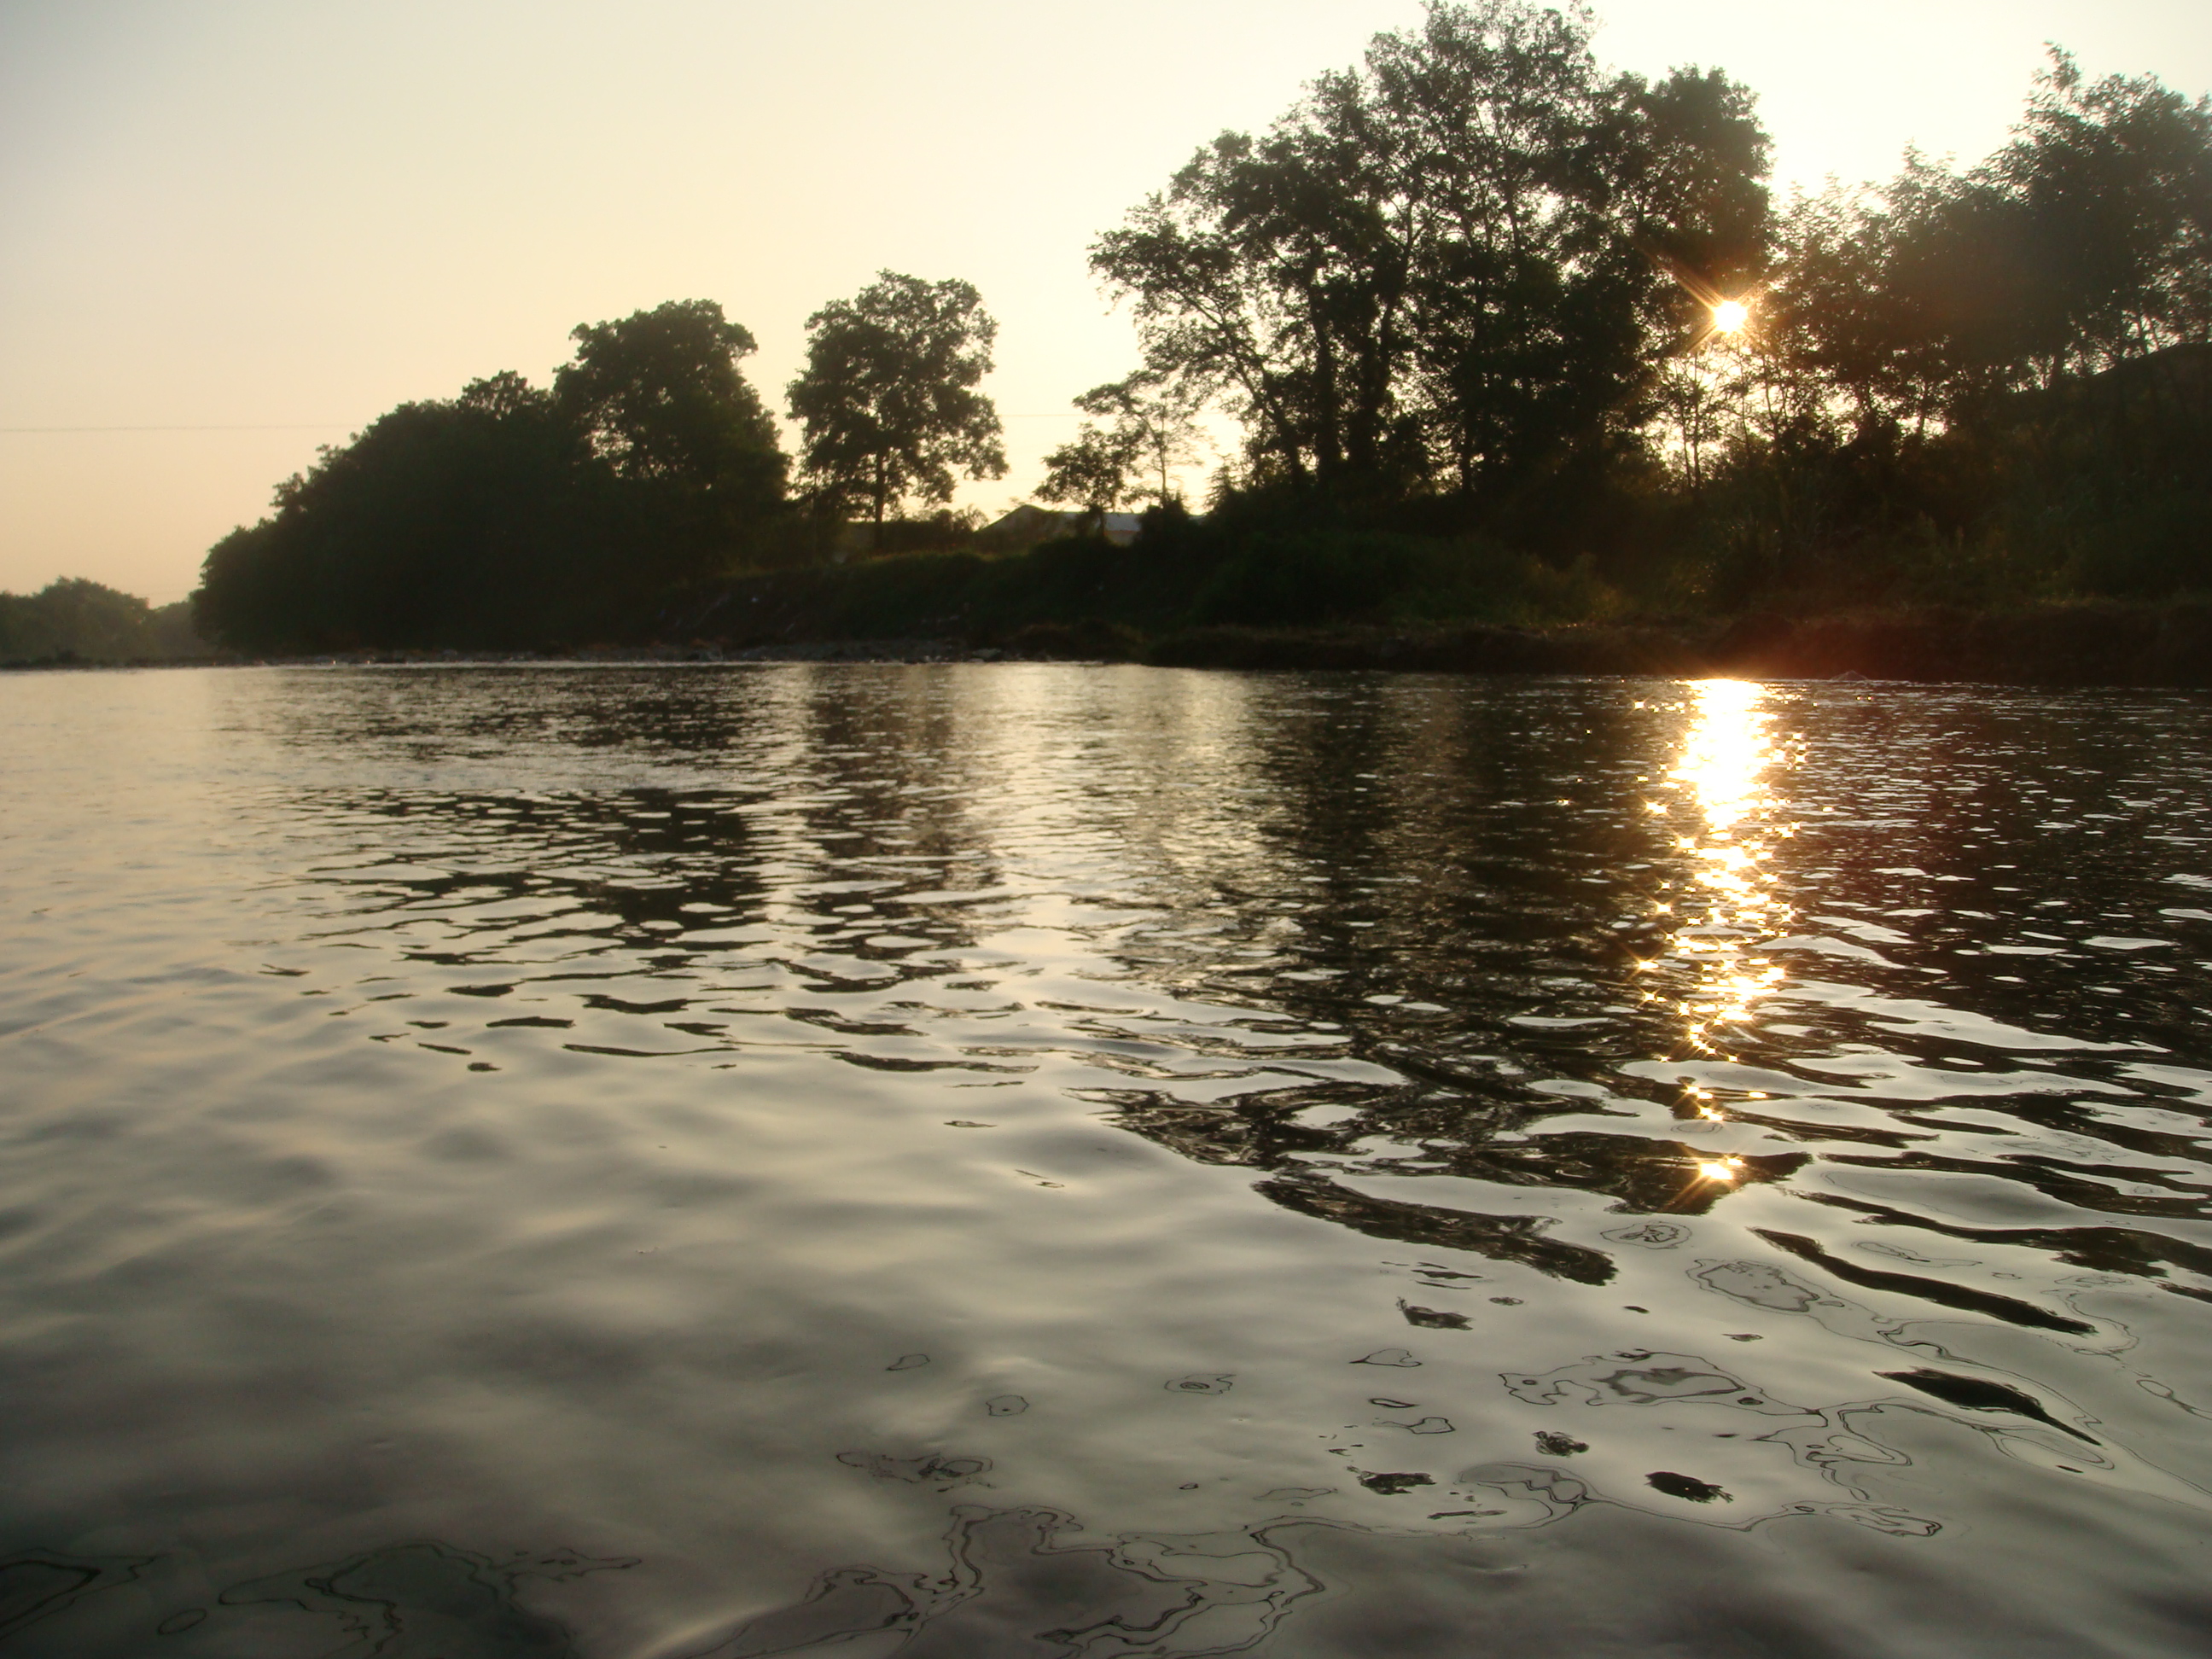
(1504, 1238)
(2107, 1249)
(1513, 910)
(1464, 886)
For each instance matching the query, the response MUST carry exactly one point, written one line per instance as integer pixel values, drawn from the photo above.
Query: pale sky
(253, 226)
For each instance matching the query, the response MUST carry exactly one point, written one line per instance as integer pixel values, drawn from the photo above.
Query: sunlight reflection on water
(1726, 758)
(1724, 767)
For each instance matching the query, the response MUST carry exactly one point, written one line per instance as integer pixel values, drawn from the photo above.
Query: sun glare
(1730, 316)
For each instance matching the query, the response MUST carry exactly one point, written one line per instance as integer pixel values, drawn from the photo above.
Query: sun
(1730, 316)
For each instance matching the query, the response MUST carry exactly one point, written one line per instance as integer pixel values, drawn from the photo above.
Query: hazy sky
(251, 226)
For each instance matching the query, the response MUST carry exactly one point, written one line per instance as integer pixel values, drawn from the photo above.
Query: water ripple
(517, 1108)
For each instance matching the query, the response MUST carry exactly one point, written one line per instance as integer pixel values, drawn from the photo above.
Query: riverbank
(1079, 601)
(2090, 644)
(2080, 644)
(2083, 644)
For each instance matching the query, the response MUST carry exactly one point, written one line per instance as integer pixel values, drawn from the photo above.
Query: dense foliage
(1470, 290)
(1980, 384)
(513, 516)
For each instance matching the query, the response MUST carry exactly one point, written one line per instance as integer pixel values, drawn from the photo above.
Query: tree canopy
(2084, 242)
(658, 396)
(888, 402)
(1978, 382)
(1444, 269)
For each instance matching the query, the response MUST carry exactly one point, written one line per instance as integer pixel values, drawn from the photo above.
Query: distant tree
(1158, 419)
(73, 618)
(175, 639)
(1100, 470)
(1153, 430)
(888, 402)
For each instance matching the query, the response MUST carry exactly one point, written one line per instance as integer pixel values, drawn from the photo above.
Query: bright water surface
(1002, 1160)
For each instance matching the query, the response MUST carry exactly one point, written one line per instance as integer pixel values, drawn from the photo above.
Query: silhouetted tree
(888, 400)
(1099, 470)
(658, 396)
(2083, 243)
(1442, 268)
(442, 524)
(1982, 383)
(1153, 430)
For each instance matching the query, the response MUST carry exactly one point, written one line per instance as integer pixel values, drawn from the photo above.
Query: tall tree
(888, 402)
(1442, 269)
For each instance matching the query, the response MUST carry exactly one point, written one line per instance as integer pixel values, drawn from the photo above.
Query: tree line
(1474, 304)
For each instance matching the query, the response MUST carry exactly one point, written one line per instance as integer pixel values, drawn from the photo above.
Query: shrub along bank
(1195, 595)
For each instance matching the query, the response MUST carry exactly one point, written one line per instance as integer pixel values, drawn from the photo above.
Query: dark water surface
(971, 1161)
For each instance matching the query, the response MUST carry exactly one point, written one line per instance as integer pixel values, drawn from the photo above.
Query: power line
(306, 426)
(339, 426)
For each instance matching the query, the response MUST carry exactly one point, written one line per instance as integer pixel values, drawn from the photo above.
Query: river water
(977, 1161)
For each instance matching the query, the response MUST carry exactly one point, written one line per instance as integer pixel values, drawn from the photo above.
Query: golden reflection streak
(1734, 821)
